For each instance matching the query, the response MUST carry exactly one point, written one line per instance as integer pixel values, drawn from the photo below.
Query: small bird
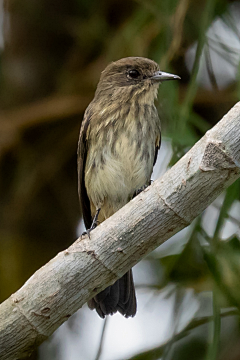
(118, 145)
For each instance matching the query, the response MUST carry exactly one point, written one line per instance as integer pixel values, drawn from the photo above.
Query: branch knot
(215, 157)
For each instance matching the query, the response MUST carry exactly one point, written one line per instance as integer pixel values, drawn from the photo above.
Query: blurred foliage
(50, 64)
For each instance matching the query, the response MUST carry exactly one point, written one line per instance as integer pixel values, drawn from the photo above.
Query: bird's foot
(93, 226)
(142, 188)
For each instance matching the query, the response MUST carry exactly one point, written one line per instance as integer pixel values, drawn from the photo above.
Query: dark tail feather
(118, 297)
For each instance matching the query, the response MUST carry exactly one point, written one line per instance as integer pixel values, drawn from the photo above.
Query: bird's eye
(134, 74)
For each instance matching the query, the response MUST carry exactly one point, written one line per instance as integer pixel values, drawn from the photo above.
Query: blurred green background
(51, 56)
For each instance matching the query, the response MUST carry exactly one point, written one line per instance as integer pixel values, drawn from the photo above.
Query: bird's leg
(138, 191)
(94, 224)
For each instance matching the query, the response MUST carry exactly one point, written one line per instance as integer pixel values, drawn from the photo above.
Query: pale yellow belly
(118, 174)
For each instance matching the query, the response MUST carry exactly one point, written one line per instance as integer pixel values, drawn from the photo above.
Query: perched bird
(119, 140)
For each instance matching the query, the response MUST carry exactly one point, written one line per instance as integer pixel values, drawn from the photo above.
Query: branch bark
(75, 275)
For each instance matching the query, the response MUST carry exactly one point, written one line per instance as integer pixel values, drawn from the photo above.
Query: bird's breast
(119, 162)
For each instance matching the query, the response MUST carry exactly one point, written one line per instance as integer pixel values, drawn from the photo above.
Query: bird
(118, 145)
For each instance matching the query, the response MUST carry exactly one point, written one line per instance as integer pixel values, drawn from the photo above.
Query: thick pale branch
(64, 284)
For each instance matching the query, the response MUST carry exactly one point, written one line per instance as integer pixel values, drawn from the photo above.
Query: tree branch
(66, 282)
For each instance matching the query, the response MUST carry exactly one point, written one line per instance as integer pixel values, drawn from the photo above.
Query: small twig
(158, 351)
(99, 352)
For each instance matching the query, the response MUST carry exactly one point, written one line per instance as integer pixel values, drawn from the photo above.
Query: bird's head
(131, 76)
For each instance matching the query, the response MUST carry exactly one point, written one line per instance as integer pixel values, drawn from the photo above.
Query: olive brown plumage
(118, 145)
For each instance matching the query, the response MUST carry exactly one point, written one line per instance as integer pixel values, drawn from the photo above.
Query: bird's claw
(93, 226)
(138, 191)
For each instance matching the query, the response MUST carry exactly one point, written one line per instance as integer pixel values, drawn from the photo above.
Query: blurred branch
(99, 352)
(210, 68)
(177, 37)
(75, 275)
(229, 216)
(47, 110)
(213, 347)
(206, 97)
(157, 352)
(192, 88)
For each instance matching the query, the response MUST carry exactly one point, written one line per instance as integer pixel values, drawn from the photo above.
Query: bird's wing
(82, 156)
(157, 144)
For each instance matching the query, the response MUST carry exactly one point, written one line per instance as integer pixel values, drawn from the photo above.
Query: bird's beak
(163, 76)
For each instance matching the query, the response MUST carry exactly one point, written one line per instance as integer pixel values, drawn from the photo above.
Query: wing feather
(82, 156)
(158, 144)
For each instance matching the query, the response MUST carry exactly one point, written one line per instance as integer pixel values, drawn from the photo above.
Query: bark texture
(75, 275)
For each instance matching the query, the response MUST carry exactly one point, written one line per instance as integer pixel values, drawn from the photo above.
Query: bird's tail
(118, 297)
